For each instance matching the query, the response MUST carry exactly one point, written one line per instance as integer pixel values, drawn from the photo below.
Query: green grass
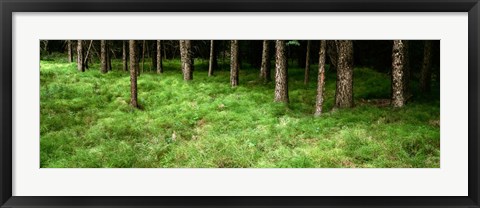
(86, 121)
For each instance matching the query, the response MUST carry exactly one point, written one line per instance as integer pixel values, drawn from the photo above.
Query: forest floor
(86, 121)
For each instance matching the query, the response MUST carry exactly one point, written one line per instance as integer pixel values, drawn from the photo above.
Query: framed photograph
(267, 103)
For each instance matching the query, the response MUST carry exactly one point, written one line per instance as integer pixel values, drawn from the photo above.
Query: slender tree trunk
(133, 73)
(321, 78)
(103, 56)
(185, 53)
(332, 52)
(87, 56)
(426, 74)
(109, 56)
(281, 73)
(124, 56)
(265, 67)
(234, 63)
(159, 57)
(212, 58)
(153, 53)
(70, 52)
(344, 91)
(399, 67)
(143, 55)
(80, 65)
(307, 64)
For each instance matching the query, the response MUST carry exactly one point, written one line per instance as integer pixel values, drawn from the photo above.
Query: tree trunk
(399, 68)
(321, 79)
(103, 56)
(281, 73)
(307, 64)
(143, 56)
(159, 57)
(80, 65)
(70, 52)
(133, 73)
(265, 67)
(153, 53)
(426, 74)
(109, 57)
(234, 63)
(212, 58)
(332, 52)
(344, 91)
(87, 56)
(124, 56)
(185, 53)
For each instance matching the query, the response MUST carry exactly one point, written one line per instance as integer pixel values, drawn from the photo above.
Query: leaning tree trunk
(281, 72)
(426, 74)
(103, 56)
(344, 91)
(133, 73)
(307, 64)
(321, 79)
(124, 56)
(234, 63)
(159, 57)
(185, 53)
(212, 58)
(70, 52)
(80, 65)
(265, 68)
(399, 72)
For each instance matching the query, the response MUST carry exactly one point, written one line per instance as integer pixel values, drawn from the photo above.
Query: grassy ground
(86, 121)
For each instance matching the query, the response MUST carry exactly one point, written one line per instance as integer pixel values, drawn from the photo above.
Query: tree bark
(185, 53)
(399, 68)
(321, 79)
(70, 52)
(159, 57)
(103, 56)
(124, 56)
(426, 74)
(212, 58)
(281, 72)
(143, 55)
(332, 52)
(265, 67)
(307, 64)
(344, 91)
(133, 73)
(234, 63)
(80, 65)
(109, 57)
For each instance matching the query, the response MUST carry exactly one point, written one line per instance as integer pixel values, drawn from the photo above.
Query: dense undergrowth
(86, 121)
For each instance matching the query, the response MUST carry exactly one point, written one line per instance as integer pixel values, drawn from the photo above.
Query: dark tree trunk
(265, 67)
(70, 51)
(332, 52)
(159, 57)
(426, 73)
(109, 57)
(143, 55)
(80, 65)
(344, 91)
(185, 53)
(124, 56)
(321, 79)
(213, 58)
(133, 73)
(103, 56)
(399, 68)
(281, 72)
(153, 53)
(234, 63)
(307, 64)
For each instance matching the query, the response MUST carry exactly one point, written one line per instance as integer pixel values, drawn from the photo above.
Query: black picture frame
(7, 7)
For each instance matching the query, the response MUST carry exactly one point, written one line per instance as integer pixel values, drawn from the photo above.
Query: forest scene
(239, 103)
